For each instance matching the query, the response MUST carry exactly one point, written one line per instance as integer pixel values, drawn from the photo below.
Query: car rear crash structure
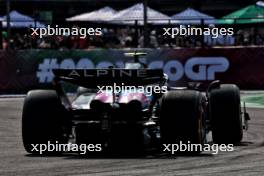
(125, 123)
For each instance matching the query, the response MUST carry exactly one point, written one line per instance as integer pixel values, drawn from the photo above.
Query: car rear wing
(91, 78)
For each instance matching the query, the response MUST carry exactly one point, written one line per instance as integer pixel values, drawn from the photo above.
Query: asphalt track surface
(247, 159)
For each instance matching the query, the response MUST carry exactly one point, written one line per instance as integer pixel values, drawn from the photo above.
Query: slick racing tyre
(183, 118)
(225, 111)
(42, 120)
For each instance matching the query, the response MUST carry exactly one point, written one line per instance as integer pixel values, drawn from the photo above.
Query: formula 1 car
(131, 121)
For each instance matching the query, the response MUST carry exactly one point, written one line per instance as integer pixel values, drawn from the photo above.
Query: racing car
(131, 121)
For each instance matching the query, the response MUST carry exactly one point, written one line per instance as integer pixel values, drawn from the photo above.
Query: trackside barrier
(23, 70)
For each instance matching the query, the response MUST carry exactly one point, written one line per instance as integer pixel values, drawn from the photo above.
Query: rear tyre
(225, 111)
(43, 120)
(183, 118)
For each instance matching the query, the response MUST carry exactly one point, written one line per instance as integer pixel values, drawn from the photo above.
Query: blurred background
(26, 60)
(125, 29)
